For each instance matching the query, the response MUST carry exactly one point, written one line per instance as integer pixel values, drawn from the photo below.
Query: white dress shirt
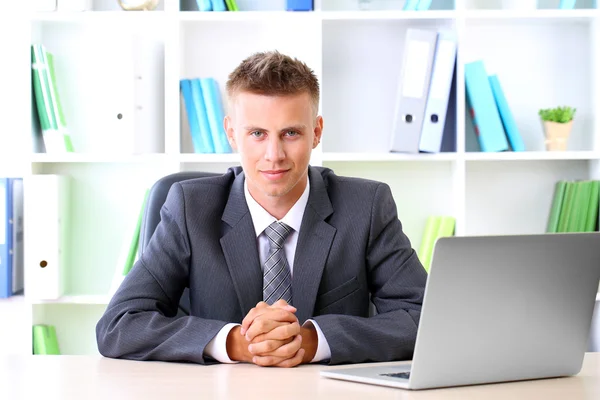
(217, 347)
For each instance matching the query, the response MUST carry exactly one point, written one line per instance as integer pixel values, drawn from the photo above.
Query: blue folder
(510, 126)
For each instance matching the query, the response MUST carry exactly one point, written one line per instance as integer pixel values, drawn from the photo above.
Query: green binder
(555, 208)
(45, 341)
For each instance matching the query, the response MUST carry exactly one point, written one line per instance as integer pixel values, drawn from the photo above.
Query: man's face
(275, 136)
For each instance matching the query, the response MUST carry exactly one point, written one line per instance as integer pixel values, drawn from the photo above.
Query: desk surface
(88, 377)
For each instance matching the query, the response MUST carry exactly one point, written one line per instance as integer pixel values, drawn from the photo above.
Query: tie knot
(277, 232)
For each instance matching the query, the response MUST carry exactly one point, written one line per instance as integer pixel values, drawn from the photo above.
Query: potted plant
(557, 123)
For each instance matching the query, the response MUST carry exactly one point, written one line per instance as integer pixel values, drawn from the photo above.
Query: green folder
(45, 341)
(593, 204)
(135, 240)
(563, 220)
(231, 5)
(57, 105)
(432, 225)
(559, 194)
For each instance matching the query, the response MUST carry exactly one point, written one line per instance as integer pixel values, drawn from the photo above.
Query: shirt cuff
(323, 350)
(217, 347)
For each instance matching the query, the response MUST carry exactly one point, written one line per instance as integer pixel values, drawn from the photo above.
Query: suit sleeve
(139, 322)
(397, 283)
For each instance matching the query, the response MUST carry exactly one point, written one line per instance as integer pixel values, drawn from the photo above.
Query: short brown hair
(273, 74)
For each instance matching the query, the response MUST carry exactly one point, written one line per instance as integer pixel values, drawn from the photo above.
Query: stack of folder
(424, 93)
(574, 207)
(49, 108)
(203, 110)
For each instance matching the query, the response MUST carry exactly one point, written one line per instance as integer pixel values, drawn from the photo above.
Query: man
(281, 258)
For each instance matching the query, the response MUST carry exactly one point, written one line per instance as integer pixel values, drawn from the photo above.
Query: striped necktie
(277, 279)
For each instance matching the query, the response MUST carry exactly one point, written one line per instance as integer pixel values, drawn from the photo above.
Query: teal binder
(482, 107)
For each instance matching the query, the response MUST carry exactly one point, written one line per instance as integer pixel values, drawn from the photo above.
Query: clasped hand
(272, 336)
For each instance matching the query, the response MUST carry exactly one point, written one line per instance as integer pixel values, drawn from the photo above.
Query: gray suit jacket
(351, 246)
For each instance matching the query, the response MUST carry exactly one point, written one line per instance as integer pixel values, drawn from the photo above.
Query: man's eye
(257, 134)
(291, 133)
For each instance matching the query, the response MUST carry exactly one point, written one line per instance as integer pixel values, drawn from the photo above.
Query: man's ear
(229, 131)
(318, 131)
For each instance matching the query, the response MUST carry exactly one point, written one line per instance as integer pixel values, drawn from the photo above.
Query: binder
(73, 5)
(46, 225)
(567, 4)
(204, 5)
(417, 66)
(423, 5)
(482, 107)
(231, 5)
(299, 5)
(439, 93)
(215, 114)
(45, 340)
(42, 5)
(508, 121)
(218, 5)
(410, 5)
(11, 236)
(206, 142)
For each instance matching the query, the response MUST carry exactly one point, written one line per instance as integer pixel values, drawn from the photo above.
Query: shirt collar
(261, 218)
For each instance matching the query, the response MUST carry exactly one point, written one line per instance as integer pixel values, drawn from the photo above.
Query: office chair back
(151, 218)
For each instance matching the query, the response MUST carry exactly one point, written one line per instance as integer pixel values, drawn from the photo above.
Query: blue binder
(567, 4)
(423, 5)
(11, 236)
(410, 5)
(203, 141)
(510, 126)
(482, 106)
(204, 5)
(200, 138)
(218, 5)
(299, 5)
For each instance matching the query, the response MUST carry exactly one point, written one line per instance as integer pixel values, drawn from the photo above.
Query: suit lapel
(240, 250)
(314, 243)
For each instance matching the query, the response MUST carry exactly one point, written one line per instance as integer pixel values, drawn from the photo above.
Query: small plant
(561, 115)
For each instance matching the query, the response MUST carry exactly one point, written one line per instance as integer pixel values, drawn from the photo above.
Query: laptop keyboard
(401, 375)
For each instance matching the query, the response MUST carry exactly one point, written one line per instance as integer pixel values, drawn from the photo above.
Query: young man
(281, 258)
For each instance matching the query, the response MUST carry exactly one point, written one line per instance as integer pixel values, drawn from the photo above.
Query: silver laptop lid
(502, 308)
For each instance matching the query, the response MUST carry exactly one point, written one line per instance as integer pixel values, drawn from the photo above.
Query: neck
(279, 206)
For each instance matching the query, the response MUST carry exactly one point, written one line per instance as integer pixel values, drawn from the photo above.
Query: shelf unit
(543, 57)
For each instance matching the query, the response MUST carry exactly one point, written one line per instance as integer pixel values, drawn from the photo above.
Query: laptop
(498, 309)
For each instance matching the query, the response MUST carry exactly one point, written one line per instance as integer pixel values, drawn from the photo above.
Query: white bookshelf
(544, 57)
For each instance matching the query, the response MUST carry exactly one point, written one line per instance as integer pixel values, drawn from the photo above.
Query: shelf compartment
(515, 197)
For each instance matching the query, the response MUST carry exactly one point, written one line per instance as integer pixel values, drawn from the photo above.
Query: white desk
(88, 377)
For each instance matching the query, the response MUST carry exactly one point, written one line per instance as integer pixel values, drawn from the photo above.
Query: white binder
(42, 5)
(46, 223)
(73, 5)
(439, 93)
(417, 66)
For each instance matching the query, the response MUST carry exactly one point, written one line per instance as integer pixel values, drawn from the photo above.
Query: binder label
(439, 84)
(416, 66)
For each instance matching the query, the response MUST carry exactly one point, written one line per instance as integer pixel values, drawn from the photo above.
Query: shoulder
(203, 192)
(348, 185)
(351, 195)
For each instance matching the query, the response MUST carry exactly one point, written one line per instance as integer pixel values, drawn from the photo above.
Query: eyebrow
(298, 127)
